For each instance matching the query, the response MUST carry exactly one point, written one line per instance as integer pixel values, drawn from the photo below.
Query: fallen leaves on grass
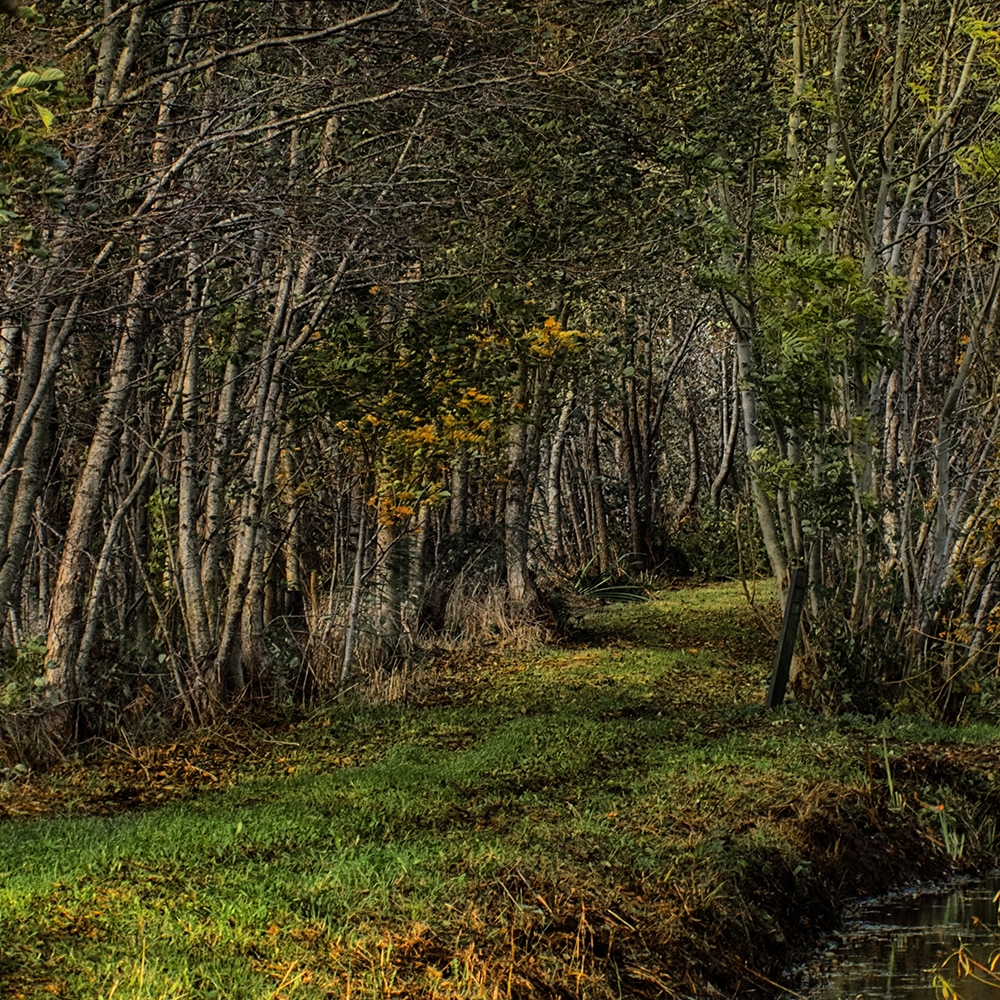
(117, 778)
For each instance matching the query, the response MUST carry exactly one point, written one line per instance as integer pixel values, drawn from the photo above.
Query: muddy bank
(844, 845)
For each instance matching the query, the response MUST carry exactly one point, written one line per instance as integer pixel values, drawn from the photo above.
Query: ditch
(915, 945)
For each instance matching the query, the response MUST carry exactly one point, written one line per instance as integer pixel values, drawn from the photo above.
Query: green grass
(597, 821)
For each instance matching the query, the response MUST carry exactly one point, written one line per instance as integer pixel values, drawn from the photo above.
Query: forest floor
(619, 817)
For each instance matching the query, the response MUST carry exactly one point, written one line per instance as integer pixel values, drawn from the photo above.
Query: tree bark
(553, 486)
(62, 683)
(592, 466)
(522, 460)
(188, 491)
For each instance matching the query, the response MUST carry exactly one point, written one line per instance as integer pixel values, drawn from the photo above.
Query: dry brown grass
(478, 614)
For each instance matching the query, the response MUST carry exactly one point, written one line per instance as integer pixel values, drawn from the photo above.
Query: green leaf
(47, 117)
(27, 79)
(51, 74)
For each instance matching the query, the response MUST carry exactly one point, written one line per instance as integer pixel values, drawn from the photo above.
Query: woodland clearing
(619, 817)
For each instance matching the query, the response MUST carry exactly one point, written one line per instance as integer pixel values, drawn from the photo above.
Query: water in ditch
(895, 947)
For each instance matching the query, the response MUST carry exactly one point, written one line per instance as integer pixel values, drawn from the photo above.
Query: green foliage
(817, 315)
(24, 676)
(806, 346)
(614, 586)
(162, 513)
(825, 490)
(714, 540)
(417, 392)
(33, 173)
(232, 334)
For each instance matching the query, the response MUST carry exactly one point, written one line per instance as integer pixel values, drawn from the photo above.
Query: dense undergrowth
(617, 819)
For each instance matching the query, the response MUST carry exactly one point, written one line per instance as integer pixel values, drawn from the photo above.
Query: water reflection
(893, 948)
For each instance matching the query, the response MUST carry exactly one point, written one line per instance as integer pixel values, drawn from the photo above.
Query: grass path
(620, 819)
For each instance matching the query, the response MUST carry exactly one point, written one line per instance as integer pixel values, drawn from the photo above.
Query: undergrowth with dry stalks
(617, 819)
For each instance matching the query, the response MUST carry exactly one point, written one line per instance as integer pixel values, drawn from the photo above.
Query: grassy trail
(620, 819)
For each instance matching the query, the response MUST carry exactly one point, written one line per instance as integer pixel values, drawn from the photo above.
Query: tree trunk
(762, 502)
(215, 501)
(521, 464)
(458, 505)
(62, 684)
(730, 425)
(29, 488)
(686, 506)
(553, 486)
(631, 462)
(188, 506)
(592, 466)
(354, 608)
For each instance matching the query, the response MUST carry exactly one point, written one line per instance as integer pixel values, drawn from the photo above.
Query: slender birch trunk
(553, 485)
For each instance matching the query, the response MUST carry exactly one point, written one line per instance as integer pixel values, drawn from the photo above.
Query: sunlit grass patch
(699, 617)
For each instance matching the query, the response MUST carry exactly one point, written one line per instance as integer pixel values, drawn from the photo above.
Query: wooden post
(789, 632)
